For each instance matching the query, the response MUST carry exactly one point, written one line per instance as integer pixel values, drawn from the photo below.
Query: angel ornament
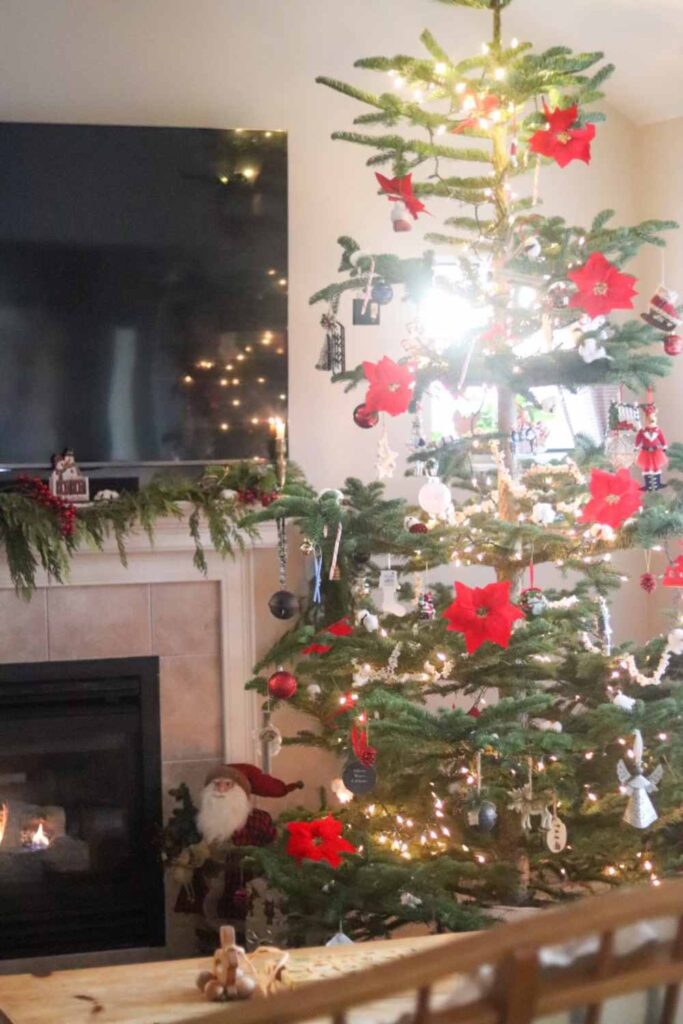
(640, 811)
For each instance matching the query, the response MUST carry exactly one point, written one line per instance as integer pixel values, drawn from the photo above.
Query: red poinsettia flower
(601, 286)
(391, 386)
(559, 140)
(317, 649)
(318, 840)
(477, 107)
(483, 613)
(615, 497)
(341, 628)
(401, 190)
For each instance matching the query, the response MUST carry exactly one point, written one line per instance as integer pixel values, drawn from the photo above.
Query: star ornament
(401, 190)
(615, 497)
(559, 141)
(483, 613)
(319, 840)
(391, 386)
(601, 286)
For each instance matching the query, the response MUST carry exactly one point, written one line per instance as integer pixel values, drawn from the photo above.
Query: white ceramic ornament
(360, 678)
(621, 700)
(369, 621)
(546, 725)
(388, 585)
(434, 497)
(409, 900)
(313, 690)
(640, 811)
(556, 836)
(227, 494)
(543, 514)
(675, 641)
(531, 247)
(106, 495)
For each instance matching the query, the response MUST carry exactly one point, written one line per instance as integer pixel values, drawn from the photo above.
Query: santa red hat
(252, 780)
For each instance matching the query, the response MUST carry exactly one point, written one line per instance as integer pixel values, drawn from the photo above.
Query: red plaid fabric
(258, 830)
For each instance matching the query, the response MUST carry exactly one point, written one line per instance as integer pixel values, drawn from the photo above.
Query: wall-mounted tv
(143, 293)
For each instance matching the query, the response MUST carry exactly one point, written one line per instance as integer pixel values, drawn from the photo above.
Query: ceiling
(643, 39)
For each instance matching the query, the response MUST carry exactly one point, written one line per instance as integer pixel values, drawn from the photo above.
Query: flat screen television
(143, 293)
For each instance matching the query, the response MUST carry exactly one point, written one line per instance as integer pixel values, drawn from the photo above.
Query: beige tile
(186, 618)
(23, 627)
(98, 622)
(190, 708)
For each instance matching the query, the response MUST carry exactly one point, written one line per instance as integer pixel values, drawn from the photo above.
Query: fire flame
(4, 815)
(39, 840)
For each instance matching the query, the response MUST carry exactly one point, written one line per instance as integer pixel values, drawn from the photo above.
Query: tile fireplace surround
(206, 631)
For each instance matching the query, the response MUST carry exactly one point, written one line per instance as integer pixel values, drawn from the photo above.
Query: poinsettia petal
(561, 120)
(317, 649)
(340, 628)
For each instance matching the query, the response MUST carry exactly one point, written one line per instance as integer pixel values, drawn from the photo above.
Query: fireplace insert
(80, 807)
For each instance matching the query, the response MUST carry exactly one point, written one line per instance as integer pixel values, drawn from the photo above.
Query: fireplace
(80, 807)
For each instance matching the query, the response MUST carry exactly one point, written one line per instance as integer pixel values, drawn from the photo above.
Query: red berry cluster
(33, 487)
(252, 494)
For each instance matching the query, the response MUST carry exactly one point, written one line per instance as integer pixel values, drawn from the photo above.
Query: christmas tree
(494, 747)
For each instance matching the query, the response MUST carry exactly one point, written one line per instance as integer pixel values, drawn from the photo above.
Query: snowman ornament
(640, 811)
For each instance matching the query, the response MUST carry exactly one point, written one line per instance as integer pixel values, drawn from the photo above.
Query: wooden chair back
(520, 987)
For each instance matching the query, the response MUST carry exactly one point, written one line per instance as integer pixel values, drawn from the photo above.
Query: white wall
(227, 63)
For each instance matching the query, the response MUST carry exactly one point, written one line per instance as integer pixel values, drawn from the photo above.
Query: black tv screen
(143, 292)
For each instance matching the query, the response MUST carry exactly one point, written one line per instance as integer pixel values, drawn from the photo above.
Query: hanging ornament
(365, 418)
(556, 836)
(650, 444)
(283, 604)
(662, 313)
(482, 814)
(601, 287)
(527, 805)
(533, 601)
(359, 775)
(313, 691)
(528, 436)
(333, 353)
(388, 585)
(435, 498)
(411, 901)
(382, 292)
(368, 621)
(339, 938)
(546, 725)
(414, 525)
(673, 344)
(400, 192)
(386, 458)
(418, 442)
(624, 702)
(615, 497)
(623, 422)
(558, 295)
(483, 614)
(425, 606)
(640, 811)
(270, 739)
(559, 140)
(531, 248)
(648, 580)
(282, 685)
(335, 573)
(543, 514)
(673, 574)
(391, 386)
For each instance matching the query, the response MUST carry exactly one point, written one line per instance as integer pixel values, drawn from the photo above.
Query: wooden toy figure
(650, 445)
(232, 976)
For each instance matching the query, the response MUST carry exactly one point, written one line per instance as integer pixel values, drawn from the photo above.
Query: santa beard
(221, 814)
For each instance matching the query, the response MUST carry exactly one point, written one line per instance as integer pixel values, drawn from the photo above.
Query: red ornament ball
(648, 582)
(673, 344)
(282, 685)
(418, 528)
(364, 417)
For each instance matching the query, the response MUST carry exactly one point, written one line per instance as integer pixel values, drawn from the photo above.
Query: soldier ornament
(650, 445)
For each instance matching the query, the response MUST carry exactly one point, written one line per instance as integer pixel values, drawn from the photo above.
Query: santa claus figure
(227, 820)
(226, 814)
(650, 445)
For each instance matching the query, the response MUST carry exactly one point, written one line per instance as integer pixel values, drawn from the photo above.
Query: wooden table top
(164, 992)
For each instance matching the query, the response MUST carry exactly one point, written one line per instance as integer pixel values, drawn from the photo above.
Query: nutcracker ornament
(663, 316)
(623, 423)
(650, 445)
(639, 811)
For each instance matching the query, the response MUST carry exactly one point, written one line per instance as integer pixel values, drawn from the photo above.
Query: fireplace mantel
(168, 559)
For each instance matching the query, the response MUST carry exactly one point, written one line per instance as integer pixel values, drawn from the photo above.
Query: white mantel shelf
(168, 559)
